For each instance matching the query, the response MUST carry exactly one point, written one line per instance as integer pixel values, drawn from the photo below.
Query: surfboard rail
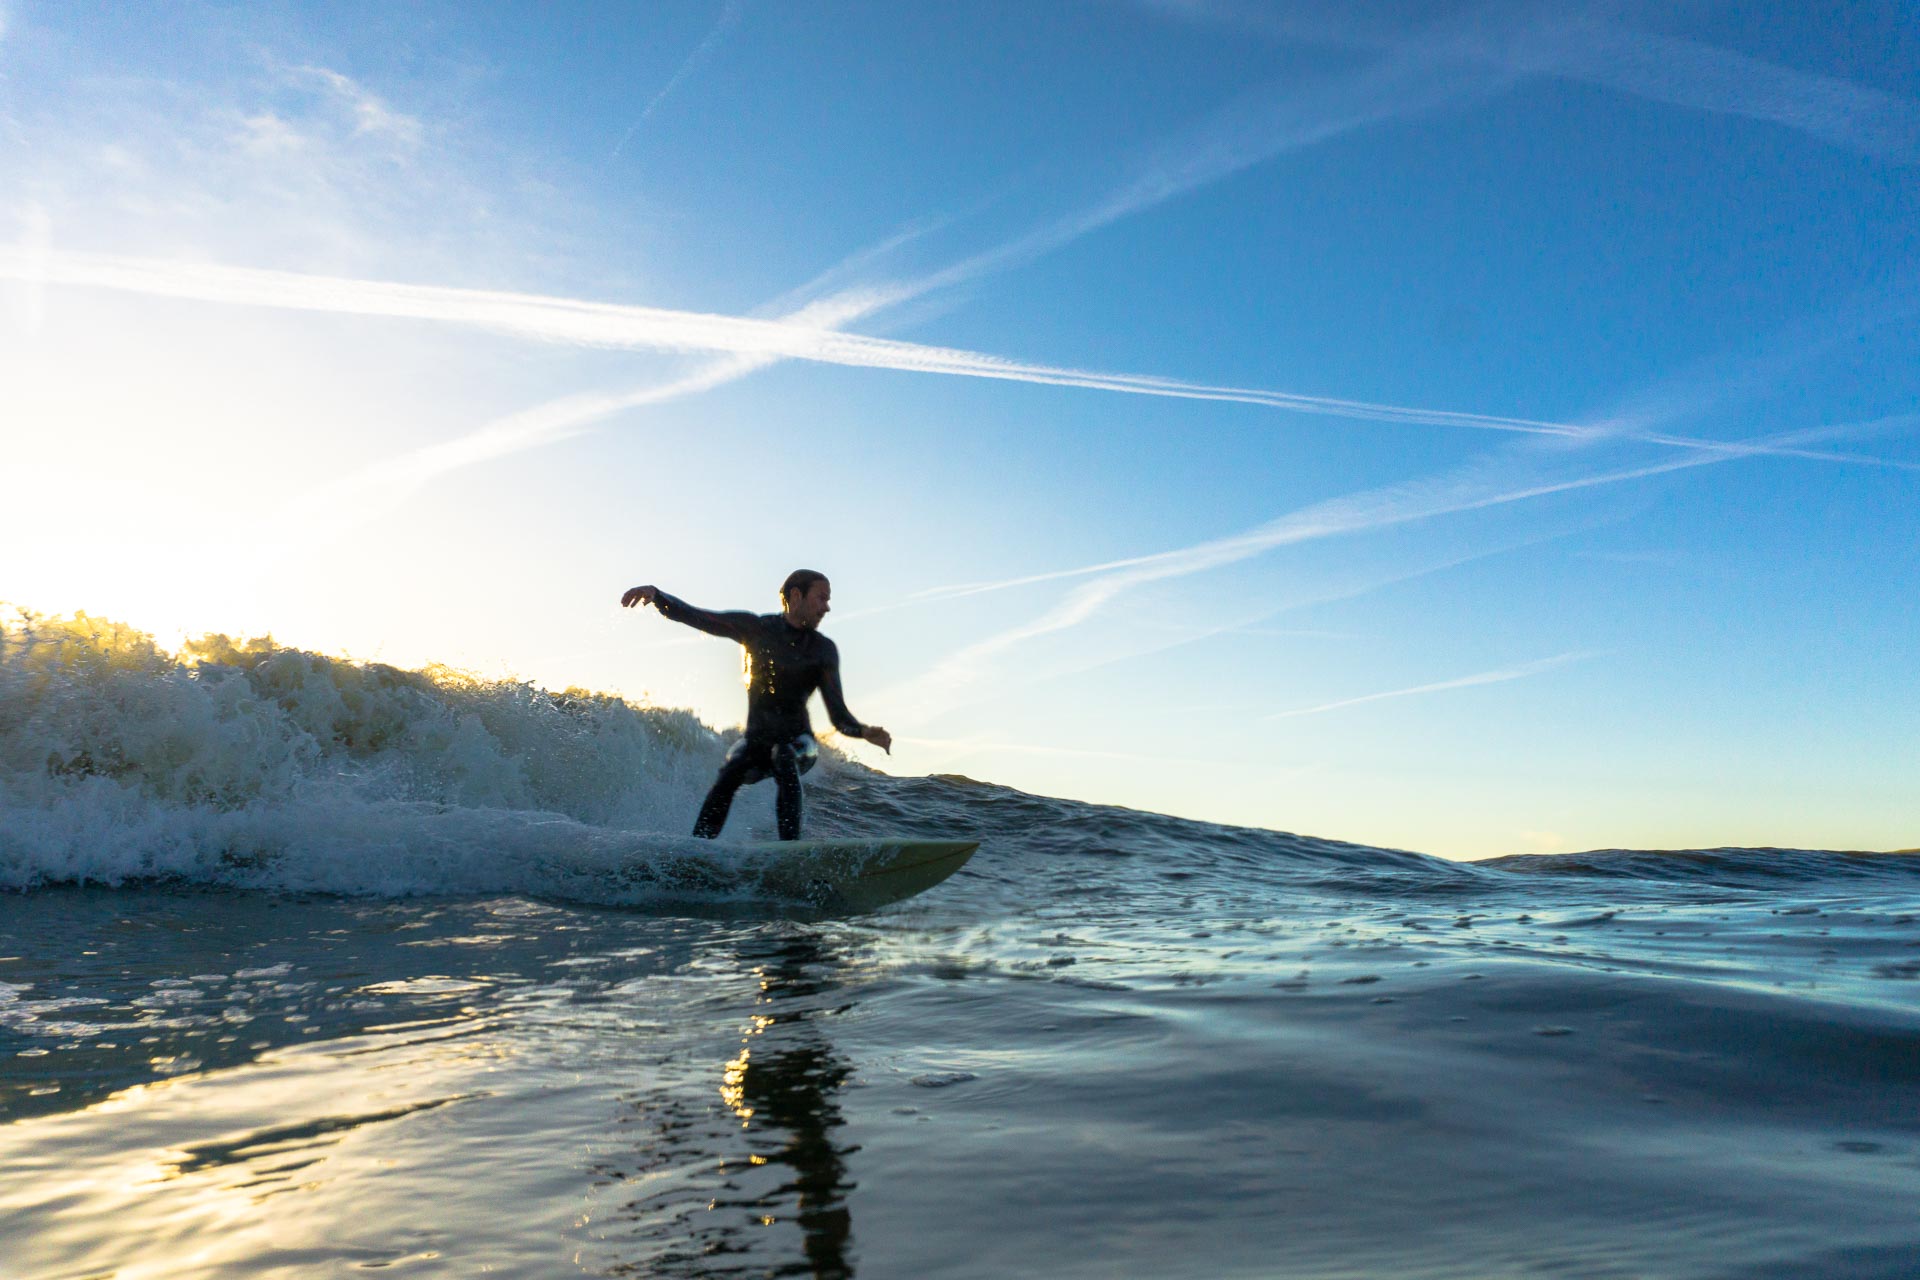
(856, 875)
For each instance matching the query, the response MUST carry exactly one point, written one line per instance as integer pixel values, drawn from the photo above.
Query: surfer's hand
(638, 595)
(879, 737)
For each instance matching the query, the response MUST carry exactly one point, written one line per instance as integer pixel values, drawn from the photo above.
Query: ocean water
(315, 968)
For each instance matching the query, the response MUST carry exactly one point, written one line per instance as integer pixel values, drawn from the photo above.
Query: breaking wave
(248, 764)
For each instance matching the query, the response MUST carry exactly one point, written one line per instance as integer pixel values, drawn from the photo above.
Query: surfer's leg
(737, 769)
(786, 776)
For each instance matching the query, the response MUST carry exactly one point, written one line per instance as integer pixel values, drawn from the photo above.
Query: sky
(1477, 429)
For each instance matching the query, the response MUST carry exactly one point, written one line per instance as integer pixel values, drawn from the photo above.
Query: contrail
(1259, 126)
(549, 423)
(613, 325)
(629, 327)
(1374, 509)
(1256, 127)
(1705, 77)
(1462, 682)
(1245, 624)
(1721, 381)
(1252, 129)
(1400, 504)
(1460, 491)
(729, 19)
(1442, 64)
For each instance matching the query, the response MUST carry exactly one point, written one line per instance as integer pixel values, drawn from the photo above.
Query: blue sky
(1477, 429)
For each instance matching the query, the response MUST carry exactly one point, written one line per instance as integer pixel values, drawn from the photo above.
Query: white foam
(247, 764)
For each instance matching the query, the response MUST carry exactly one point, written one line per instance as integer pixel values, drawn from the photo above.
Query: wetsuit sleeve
(728, 626)
(836, 700)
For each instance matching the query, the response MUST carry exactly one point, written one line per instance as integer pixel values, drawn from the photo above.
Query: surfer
(787, 659)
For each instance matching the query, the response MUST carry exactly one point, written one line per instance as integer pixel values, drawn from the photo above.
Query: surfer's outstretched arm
(836, 700)
(728, 626)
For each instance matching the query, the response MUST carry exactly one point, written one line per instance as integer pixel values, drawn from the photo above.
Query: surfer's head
(804, 597)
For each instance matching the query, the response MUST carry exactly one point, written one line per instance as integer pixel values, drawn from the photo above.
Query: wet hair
(799, 582)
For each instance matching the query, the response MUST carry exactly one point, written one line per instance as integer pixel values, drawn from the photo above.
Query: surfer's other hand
(880, 738)
(638, 595)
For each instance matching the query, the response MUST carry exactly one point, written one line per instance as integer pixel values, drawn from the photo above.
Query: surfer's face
(806, 608)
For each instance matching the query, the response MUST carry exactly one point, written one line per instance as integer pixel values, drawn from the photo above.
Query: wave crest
(119, 759)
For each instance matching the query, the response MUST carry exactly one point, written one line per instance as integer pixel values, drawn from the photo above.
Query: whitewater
(311, 966)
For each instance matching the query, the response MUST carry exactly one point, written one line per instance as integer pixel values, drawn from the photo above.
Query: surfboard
(855, 875)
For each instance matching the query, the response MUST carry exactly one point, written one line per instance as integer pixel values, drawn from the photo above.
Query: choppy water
(308, 968)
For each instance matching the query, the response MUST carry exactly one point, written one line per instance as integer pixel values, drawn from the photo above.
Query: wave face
(251, 765)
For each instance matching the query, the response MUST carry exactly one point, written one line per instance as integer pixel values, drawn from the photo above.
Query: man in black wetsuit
(787, 659)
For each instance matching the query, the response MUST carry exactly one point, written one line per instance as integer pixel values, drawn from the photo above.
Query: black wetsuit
(785, 664)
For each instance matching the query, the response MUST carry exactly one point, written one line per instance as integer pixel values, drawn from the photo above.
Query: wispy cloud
(728, 20)
(260, 158)
(1499, 676)
(369, 112)
(325, 123)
